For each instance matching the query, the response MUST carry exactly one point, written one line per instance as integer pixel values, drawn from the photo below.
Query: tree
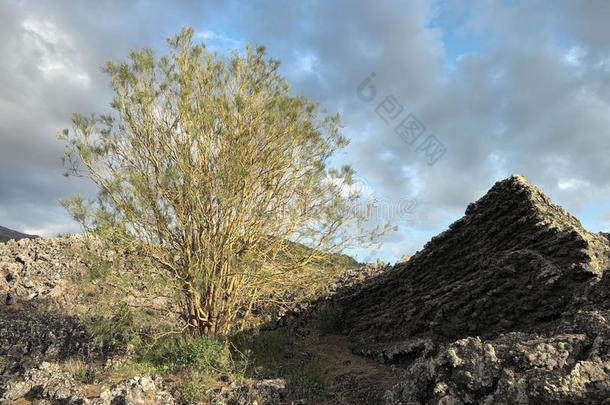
(214, 171)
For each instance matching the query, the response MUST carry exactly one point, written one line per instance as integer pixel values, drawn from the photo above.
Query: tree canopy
(213, 169)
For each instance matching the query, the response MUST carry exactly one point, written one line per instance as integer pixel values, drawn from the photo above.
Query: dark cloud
(505, 86)
(54, 52)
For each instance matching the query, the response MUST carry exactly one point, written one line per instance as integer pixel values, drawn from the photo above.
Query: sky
(440, 99)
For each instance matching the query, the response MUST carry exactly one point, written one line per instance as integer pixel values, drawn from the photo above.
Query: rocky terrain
(40, 332)
(510, 305)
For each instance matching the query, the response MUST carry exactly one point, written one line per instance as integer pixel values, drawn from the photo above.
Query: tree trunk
(200, 320)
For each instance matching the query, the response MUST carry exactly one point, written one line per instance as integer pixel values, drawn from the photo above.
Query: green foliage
(97, 269)
(196, 362)
(310, 283)
(195, 387)
(115, 333)
(206, 354)
(86, 374)
(201, 148)
(116, 297)
(130, 368)
(281, 354)
(199, 361)
(326, 321)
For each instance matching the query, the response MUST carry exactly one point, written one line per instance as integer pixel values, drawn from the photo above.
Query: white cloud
(533, 99)
(57, 57)
(572, 184)
(574, 56)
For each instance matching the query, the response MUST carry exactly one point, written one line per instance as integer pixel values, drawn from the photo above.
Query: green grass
(195, 387)
(196, 364)
(205, 353)
(281, 354)
(86, 374)
(131, 368)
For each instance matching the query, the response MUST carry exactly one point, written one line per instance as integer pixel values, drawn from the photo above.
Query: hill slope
(514, 260)
(8, 234)
(509, 305)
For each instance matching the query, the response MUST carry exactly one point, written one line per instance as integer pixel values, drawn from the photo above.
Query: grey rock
(510, 305)
(271, 392)
(141, 390)
(47, 382)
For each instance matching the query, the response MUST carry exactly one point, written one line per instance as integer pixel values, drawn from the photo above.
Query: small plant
(85, 375)
(280, 354)
(114, 333)
(97, 268)
(326, 320)
(196, 387)
(204, 353)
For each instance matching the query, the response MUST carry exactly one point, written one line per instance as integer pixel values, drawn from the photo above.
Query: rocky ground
(41, 334)
(509, 306)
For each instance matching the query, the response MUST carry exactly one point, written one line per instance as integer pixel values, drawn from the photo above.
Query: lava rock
(510, 305)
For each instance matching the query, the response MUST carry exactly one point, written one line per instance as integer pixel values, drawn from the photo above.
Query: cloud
(51, 68)
(57, 59)
(505, 86)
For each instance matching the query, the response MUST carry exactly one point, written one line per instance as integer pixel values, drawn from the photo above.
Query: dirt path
(354, 379)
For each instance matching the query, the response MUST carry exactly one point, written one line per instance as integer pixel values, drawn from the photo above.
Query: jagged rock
(270, 392)
(49, 382)
(508, 306)
(42, 325)
(515, 368)
(37, 269)
(46, 382)
(29, 336)
(38, 325)
(515, 260)
(142, 390)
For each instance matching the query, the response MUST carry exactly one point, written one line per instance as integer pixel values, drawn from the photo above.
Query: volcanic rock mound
(509, 305)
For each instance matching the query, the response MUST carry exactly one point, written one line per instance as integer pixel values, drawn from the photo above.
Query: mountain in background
(8, 234)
